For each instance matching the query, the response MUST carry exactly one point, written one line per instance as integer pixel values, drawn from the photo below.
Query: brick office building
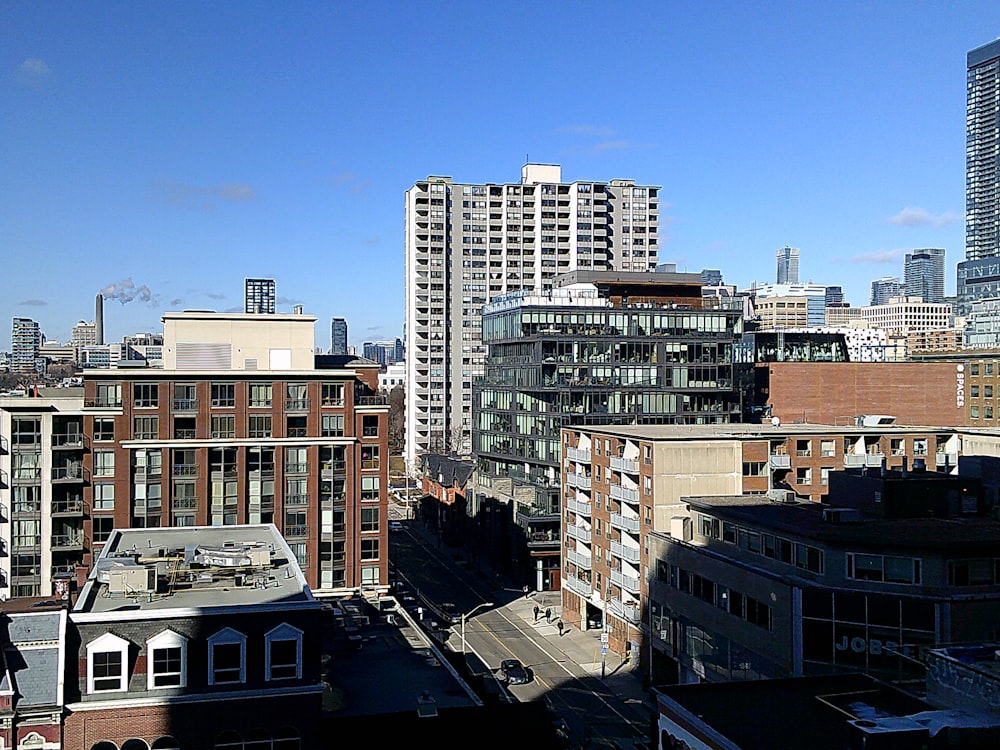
(622, 482)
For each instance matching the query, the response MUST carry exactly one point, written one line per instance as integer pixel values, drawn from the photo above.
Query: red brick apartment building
(243, 424)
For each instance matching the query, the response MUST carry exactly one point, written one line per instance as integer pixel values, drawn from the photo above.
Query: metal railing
(185, 404)
(73, 473)
(184, 470)
(297, 499)
(297, 467)
(578, 586)
(580, 481)
(579, 559)
(578, 533)
(297, 531)
(67, 506)
(296, 404)
(624, 464)
(67, 541)
(576, 506)
(618, 521)
(627, 582)
(69, 440)
(184, 503)
(625, 552)
(578, 454)
(625, 494)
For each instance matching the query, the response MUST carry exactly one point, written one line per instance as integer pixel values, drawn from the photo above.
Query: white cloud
(32, 72)
(918, 217)
(182, 195)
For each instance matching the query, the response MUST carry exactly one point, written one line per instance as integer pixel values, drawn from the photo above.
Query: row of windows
(258, 426)
(223, 395)
(167, 659)
(800, 555)
(729, 600)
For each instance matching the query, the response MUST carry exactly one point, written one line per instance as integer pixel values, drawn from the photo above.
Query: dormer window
(283, 653)
(107, 662)
(227, 652)
(166, 661)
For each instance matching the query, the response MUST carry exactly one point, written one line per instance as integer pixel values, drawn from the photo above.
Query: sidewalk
(582, 649)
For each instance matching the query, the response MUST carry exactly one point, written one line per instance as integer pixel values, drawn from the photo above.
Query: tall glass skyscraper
(979, 274)
(338, 336)
(788, 265)
(923, 274)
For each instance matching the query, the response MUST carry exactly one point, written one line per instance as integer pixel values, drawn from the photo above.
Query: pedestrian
(560, 626)
(548, 614)
(536, 613)
(525, 589)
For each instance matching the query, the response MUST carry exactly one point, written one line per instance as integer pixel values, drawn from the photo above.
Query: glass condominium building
(468, 243)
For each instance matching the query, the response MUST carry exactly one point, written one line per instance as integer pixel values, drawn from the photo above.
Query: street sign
(604, 638)
(604, 650)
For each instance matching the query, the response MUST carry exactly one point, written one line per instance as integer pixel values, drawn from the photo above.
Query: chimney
(99, 319)
(297, 310)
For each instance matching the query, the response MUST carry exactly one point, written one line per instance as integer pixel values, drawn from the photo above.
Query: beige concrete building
(466, 244)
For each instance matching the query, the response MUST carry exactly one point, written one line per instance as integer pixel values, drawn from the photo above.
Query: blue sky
(166, 151)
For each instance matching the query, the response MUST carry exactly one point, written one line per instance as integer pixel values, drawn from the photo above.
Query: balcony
(184, 503)
(541, 540)
(628, 612)
(874, 459)
(69, 441)
(4, 445)
(67, 542)
(578, 454)
(102, 403)
(184, 470)
(780, 461)
(333, 469)
(185, 404)
(70, 473)
(579, 533)
(624, 494)
(578, 586)
(183, 433)
(579, 559)
(298, 531)
(852, 460)
(217, 473)
(623, 523)
(624, 464)
(578, 507)
(371, 400)
(297, 468)
(297, 432)
(4, 482)
(579, 481)
(625, 581)
(67, 507)
(625, 552)
(297, 499)
(142, 473)
(296, 404)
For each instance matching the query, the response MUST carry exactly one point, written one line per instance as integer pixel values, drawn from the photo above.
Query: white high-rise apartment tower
(466, 244)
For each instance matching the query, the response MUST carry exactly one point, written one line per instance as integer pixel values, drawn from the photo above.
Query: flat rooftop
(197, 567)
(804, 519)
(750, 431)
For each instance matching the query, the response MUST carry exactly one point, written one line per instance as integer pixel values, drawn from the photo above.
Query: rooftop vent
(781, 496)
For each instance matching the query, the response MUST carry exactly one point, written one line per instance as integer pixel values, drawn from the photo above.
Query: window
(827, 448)
(647, 454)
(109, 394)
(227, 657)
(106, 660)
(104, 429)
(369, 457)
(260, 426)
(104, 496)
(803, 475)
(104, 463)
(333, 394)
(369, 549)
(223, 395)
(103, 526)
(260, 394)
(369, 488)
(223, 426)
(369, 425)
(283, 653)
(146, 395)
(369, 519)
(647, 485)
(295, 397)
(332, 425)
(881, 568)
(146, 428)
(166, 660)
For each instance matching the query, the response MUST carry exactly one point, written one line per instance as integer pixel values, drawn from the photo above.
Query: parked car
(395, 526)
(513, 672)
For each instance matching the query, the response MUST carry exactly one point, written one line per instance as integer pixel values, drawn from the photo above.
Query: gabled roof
(449, 471)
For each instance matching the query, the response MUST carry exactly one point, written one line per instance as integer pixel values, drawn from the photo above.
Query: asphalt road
(595, 716)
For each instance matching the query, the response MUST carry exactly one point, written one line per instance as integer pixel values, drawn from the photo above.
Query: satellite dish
(775, 422)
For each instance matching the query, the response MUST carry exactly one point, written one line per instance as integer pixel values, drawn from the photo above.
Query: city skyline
(253, 145)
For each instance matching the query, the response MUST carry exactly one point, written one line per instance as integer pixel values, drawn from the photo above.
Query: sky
(160, 153)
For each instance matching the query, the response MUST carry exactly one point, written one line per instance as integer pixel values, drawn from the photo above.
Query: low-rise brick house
(204, 637)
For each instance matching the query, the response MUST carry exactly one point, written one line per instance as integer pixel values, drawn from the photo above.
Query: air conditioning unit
(131, 580)
(781, 496)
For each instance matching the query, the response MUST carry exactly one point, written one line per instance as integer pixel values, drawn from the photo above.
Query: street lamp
(466, 616)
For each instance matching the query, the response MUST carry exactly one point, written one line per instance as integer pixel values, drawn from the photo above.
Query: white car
(395, 526)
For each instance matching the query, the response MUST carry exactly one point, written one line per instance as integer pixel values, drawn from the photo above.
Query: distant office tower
(466, 243)
(338, 336)
(834, 296)
(711, 277)
(885, 289)
(383, 352)
(25, 340)
(788, 265)
(260, 296)
(979, 274)
(923, 274)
